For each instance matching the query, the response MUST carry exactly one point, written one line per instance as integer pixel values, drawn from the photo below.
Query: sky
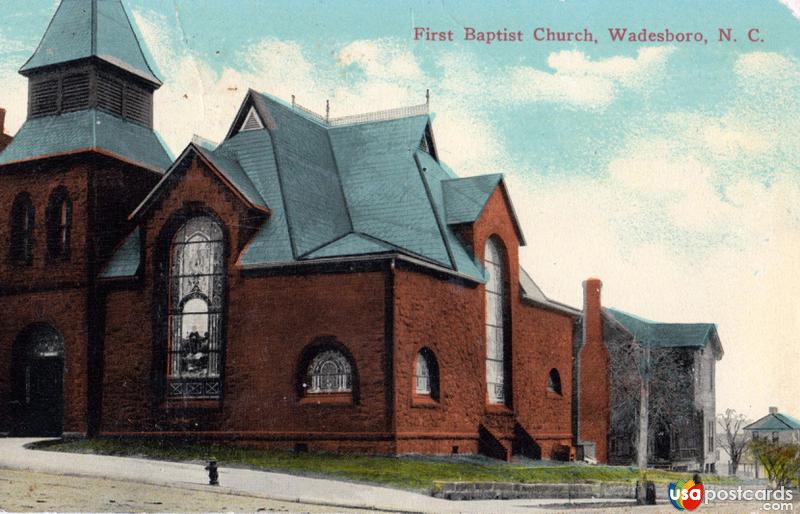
(669, 170)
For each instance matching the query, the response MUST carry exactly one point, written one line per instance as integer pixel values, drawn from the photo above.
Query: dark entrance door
(39, 381)
(662, 443)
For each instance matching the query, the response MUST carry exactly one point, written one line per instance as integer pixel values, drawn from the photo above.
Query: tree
(780, 461)
(734, 441)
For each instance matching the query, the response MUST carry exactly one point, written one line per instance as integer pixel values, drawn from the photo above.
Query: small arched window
(197, 280)
(426, 374)
(554, 382)
(330, 372)
(59, 224)
(22, 221)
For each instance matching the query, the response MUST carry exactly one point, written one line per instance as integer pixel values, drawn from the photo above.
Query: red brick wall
(270, 320)
(594, 374)
(57, 291)
(449, 318)
(65, 311)
(39, 182)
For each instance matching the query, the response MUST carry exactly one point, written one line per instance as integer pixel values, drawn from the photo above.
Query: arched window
(196, 285)
(330, 372)
(426, 374)
(496, 306)
(22, 220)
(554, 381)
(59, 224)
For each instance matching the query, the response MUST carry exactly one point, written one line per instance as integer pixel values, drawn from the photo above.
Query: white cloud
(794, 6)
(580, 82)
(697, 218)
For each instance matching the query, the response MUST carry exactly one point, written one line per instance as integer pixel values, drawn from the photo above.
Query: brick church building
(308, 283)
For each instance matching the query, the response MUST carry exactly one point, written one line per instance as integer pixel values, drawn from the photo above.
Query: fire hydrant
(213, 473)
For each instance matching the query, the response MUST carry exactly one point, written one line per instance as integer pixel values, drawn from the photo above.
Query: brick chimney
(592, 324)
(773, 410)
(592, 421)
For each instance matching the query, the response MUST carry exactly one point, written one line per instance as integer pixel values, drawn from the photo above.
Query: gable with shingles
(435, 175)
(385, 192)
(254, 152)
(465, 198)
(314, 204)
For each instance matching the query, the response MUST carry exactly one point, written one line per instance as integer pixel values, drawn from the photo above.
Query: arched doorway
(39, 381)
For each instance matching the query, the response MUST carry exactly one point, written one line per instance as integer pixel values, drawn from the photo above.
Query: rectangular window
(710, 429)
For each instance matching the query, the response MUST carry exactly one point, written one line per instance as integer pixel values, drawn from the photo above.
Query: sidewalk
(276, 486)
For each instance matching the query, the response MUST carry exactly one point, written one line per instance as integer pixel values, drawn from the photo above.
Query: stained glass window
(330, 372)
(495, 321)
(196, 306)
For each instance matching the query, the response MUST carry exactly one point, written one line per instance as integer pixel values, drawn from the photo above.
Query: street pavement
(338, 495)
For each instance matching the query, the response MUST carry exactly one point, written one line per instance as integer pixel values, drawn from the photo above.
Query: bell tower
(90, 58)
(90, 88)
(85, 157)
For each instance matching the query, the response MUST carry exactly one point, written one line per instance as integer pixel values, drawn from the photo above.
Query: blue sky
(668, 170)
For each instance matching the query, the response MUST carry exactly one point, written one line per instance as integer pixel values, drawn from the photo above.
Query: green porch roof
(91, 28)
(88, 130)
(776, 422)
(126, 260)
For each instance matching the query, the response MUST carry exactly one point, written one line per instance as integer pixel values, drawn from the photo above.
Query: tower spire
(83, 29)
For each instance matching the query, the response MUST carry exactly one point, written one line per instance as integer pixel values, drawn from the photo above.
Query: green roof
(774, 423)
(125, 261)
(667, 335)
(465, 198)
(233, 171)
(92, 28)
(337, 191)
(88, 130)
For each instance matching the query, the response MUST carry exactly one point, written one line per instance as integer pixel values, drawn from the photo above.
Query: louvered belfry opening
(78, 87)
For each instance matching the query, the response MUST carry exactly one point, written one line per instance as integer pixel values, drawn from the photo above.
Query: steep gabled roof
(668, 335)
(364, 187)
(86, 131)
(226, 168)
(92, 28)
(465, 199)
(774, 422)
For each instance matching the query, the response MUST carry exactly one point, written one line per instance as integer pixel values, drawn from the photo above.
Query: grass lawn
(413, 472)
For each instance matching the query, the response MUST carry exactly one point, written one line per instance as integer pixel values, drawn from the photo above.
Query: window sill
(323, 399)
(191, 404)
(552, 395)
(424, 401)
(497, 409)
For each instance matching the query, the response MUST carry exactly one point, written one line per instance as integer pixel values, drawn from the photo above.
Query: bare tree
(735, 441)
